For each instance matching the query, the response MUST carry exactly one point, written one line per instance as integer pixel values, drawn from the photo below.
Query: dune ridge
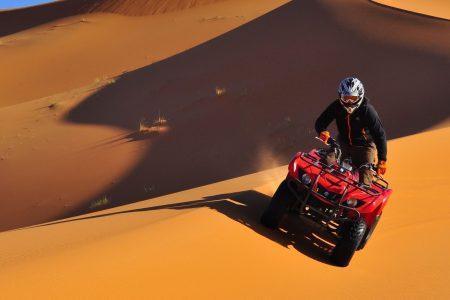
(143, 7)
(16, 20)
(435, 8)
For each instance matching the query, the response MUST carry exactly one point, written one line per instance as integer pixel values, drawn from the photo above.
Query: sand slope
(207, 241)
(71, 163)
(279, 66)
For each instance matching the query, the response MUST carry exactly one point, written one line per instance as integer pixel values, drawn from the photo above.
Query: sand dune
(238, 84)
(278, 71)
(73, 163)
(207, 241)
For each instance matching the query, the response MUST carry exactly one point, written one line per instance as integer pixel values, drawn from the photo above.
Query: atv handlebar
(331, 142)
(375, 174)
(333, 145)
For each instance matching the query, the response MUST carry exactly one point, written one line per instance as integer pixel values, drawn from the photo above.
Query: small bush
(104, 80)
(156, 125)
(99, 202)
(111, 80)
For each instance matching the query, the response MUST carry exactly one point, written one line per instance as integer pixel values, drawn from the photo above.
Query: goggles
(348, 99)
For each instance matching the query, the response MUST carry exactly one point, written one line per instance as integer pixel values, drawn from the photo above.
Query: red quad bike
(331, 197)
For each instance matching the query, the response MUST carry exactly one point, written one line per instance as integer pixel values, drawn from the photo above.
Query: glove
(324, 136)
(381, 167)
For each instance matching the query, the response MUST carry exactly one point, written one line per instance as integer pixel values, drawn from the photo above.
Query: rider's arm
(326, 117)
(377, 131)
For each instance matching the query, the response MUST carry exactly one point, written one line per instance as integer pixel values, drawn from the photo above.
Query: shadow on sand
(246, 207)
(279, 72)
(12, 21)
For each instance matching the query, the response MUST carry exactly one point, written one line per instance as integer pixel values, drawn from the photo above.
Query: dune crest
(144, 7)
(435, 8)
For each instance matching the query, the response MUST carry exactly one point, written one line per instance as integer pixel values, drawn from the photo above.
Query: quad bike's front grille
(321, 207)
(334, 197)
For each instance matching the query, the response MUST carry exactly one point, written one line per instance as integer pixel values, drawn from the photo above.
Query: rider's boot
(366, 177)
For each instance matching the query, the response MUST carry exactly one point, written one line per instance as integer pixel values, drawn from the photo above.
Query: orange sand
(214, 247)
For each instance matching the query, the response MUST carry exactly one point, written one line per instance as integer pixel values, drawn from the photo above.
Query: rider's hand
(324, 136)
(381, 167)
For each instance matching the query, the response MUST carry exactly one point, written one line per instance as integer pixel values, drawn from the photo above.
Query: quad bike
(330, 197)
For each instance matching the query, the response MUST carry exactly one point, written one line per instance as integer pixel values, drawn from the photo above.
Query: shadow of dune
(12, 21)
(244, 207)
(279, 72)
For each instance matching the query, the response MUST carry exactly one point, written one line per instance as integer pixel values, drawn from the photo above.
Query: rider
(361, 134)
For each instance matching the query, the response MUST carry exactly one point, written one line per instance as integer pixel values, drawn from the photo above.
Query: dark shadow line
(158, 207)
(245, 208)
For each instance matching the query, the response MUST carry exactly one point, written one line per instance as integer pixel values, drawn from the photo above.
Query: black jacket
(360, 128)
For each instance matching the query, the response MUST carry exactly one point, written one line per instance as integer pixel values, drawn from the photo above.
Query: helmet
(351, 93)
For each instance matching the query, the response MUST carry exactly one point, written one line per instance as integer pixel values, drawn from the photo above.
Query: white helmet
(351, 93)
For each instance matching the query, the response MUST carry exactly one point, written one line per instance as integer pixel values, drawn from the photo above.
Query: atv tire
(352, 236)
(278, 207)
(368, 233)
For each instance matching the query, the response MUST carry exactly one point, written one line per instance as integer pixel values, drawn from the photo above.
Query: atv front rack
(340, 172)
(337, 209)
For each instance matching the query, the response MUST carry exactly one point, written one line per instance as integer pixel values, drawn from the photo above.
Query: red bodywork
(340, 181)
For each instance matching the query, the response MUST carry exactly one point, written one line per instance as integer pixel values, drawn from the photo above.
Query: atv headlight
(306, 179)
(351, 202)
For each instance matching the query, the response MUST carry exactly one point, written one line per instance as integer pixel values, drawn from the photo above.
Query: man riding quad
(361, 133)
